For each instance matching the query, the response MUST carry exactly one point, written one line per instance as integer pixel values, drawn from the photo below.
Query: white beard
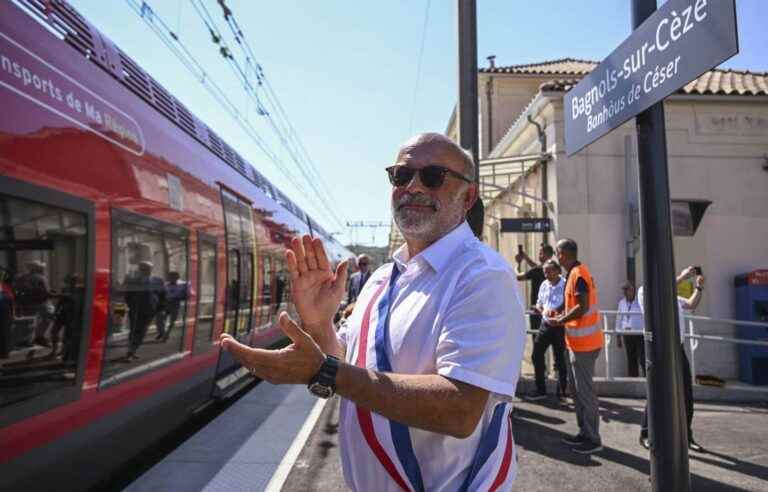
(426, 225)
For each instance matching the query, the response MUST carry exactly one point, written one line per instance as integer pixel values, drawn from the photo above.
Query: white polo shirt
(456, 311)
(630, 322)
(551, 296)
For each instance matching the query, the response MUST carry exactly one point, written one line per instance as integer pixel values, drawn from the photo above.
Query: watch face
(320, 390)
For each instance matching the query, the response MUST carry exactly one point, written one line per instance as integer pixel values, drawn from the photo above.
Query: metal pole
(606, 350)
(693, 344)
(668, 430)
(467, 109)
(630, 190)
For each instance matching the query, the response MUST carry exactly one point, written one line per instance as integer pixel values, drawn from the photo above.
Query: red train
(131, 236)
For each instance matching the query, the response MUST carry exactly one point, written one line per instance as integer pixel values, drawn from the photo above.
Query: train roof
(66, 23)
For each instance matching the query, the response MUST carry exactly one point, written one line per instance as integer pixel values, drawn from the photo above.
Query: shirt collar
(440, 252)
(559, 281)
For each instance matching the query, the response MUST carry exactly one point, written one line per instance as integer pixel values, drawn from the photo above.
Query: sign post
(668, 430)
(668, 48)
(467, 108)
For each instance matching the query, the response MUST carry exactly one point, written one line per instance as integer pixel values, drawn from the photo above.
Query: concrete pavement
(736, 436)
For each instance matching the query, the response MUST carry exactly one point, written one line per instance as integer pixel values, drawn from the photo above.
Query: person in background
(358, 279)
(585, 340)
(33, 298)
(429, 359)
(68, 318)
(683, 305)
(534, 275)
(632, 325)
(549, 305)
(175, 294)
(145, 297)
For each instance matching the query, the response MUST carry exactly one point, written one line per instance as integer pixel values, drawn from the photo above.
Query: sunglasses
(431, 176)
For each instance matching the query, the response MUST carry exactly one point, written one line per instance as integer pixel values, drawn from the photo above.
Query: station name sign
(676, 44)
(526, 225)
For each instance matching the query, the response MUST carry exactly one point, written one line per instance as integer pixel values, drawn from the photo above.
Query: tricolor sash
(493, 441)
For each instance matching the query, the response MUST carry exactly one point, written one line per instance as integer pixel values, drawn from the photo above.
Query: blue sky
(345, 72)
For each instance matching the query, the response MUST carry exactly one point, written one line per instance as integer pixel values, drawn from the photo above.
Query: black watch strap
(323, 384)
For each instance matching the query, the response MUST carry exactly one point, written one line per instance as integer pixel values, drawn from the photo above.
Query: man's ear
(470, 196)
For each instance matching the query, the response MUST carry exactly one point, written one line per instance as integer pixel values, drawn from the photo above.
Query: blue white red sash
(496, 442)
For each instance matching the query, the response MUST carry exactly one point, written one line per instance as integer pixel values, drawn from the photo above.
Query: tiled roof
(718, 81)
(729, 82)
(714, 82)
(563, 66)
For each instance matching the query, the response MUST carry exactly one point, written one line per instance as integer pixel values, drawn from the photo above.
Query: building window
(43, 265)
(148, 297)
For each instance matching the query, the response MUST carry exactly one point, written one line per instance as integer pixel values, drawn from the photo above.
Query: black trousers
(554, 336)
(535, 325)
(634, 345)
(139, 326)
(687, 395)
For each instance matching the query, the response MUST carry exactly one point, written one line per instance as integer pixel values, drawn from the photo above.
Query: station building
(717, 138)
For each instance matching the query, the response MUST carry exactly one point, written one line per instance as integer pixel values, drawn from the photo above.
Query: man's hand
(552, 317)
(317, 291)
(295, 364)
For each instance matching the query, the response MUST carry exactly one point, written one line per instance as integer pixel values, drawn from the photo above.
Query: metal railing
(690, 336)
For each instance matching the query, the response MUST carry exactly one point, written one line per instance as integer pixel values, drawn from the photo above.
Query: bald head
(425, 212)
(445, 145)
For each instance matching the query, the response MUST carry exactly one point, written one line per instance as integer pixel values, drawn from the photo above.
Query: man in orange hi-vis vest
(584, 339)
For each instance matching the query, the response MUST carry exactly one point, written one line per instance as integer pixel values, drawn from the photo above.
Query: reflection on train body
(42, 265)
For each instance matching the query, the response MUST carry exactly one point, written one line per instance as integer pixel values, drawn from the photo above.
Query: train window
(43, 264)
(265, 303)
(240, 265)
(233, 290)
(280, 288)
(149, 295)
(206, 297)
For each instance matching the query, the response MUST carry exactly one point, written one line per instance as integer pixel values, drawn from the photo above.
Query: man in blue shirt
(550, 304)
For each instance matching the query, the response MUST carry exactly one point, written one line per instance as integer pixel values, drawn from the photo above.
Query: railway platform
(280, 438)
(242, 448)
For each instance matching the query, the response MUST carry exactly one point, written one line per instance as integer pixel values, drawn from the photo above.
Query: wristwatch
(323, 385)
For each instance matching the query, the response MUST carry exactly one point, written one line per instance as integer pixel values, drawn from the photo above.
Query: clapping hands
(317, 290)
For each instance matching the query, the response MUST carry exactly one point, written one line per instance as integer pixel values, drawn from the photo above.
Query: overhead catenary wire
(418, 67)
(276, 109)
(190, 62)
(275, 114)
(184, 55)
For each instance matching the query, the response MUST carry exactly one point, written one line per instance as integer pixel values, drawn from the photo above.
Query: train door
(240, 254)
(240, 265)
